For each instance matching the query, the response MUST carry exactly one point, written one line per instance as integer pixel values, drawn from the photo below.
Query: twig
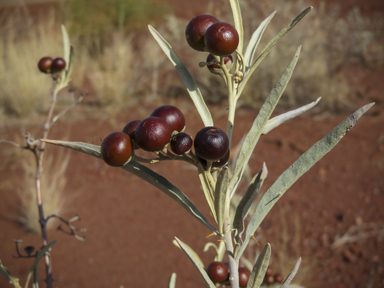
(71, 228)
(67, 109)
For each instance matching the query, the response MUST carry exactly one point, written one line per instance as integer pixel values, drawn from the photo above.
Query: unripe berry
(211, 143)
(172, 116)
(152, 134)
(244, 274)
(181, 143)
(217, 272)
(58, 64)
(221, 39)
(215, 67)
(45, 64)
(195, 31)
(116, 149)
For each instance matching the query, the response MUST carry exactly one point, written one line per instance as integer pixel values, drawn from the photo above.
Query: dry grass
(53, 182)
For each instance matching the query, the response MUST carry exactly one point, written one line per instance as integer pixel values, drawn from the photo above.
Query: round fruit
(58, 64)
(217, 272)
(152, 134)
(181, 143)
(171, 115)
(194, 33)
(216, 164)
(130, 128)
(215, 68)
(243, 276)
(269, 280)
(211, 143)
(278, 278)
(221, 39)
(268, 272)
(116, 149)
(45, 64)
(29, 249)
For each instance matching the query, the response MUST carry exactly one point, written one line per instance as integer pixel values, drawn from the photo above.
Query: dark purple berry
(152, 134)
(58, 64)
(211, 143)
(172, 116)
(221, 39)
(116, 149)
(215, 67)
(45, 64)
(195, 31)
(217, 272)
(181, 143)
(244, 274)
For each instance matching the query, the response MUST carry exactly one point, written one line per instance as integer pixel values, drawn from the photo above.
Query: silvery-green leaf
(68, 57)
(261, 266)
(254, 42)
(172, 281)
(187, 78)
(8, 275)
(197, 257)
(195, 262)
(246, 202)
(261, 120)
(291, 275)
(235, 7)
(37, 259)
(207, 192)
(270, 46)
(297, 169)
(276, 121)
(221, 197)
(146, 174)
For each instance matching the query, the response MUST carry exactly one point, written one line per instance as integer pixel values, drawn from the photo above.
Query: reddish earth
(130, 225)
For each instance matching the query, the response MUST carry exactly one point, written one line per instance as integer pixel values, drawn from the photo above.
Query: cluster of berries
(219, 272)
(270, 278)
(207, 33)
(50, 65)
(165, 126)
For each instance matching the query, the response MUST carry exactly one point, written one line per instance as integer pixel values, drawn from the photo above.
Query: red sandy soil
(131, 225)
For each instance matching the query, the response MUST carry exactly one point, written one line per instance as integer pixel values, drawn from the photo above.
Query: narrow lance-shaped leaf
(278, 120)
(8, 275)
(254, 42)
(235, 7)
(270, 45)
(37, 259)
(147, 175)
(199, 268)
(172, 281)
(197, 257)
(221, 197)
(246, 202)
(291, 275)
(297, 169)
(187, 78)
(261, 120)
(260, 268)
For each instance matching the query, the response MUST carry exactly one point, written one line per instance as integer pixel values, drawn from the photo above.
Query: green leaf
(235, 7)
(195, 262)
(187, 78)
(297, 169)
(291, 275)
(190, 250)
(278, 120)
(254, 42)
(37, 259)
(246, 202)
(144, 173)
(221, 197)
(68, 57)
(261, 120)
(172, 281)
(8, 275)
(270, 45)
(261, 266)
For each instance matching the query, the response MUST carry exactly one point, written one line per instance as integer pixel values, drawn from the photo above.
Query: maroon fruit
(216, 164)
(268, 272)
(130, 128)
(221, 39)
(58, 65)
(211, 143)
(278, 278)
(215, 67)
(244, 274)
(269, 280)
(171, 115)
(217, 272)
(195, 31)
(181, 143)
(45, 64)
(152, 134)
(116, 149)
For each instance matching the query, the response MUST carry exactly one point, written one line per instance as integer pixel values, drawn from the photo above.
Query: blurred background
(125, 75)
